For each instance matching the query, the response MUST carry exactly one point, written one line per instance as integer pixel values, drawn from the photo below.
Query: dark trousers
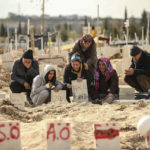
(140, 82)
(68, 94)
(16, 87)
(91, 92)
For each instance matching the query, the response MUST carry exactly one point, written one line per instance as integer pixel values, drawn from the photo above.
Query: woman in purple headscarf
(106, 82)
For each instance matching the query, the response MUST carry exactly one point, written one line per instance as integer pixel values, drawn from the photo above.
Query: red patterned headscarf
(109, 71)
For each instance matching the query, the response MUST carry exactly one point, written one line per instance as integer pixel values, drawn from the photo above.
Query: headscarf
(46, 72)
(86, 38)
(76, 57)
(109, 72)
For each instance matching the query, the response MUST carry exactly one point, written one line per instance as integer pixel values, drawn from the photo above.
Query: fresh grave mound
(82, 117)
(4, 78)
(13, 113)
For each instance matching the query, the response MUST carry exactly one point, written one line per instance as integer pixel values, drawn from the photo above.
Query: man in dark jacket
(23, 72)
(138, 75)
(76, 71)
(86, 47)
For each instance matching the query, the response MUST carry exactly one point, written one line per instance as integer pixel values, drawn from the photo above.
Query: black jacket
(142, 66)
(85, 74)
(21, 74)
(112, 84)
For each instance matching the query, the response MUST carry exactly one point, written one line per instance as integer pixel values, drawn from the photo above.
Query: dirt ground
(82, 116)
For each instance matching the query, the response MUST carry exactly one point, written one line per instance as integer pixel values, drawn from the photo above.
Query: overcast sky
(113, 8)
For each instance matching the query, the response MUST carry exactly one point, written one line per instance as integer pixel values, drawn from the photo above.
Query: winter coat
(111, 84)
(69, 75)
(21, 74)
(89, 56)
(142, 66)
(106, 83)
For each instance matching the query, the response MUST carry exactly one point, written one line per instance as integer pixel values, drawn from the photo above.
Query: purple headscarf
(109, 71)
(107, 63)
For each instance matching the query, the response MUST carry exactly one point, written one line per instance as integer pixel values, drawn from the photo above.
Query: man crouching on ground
(138, 75)
(23, 72)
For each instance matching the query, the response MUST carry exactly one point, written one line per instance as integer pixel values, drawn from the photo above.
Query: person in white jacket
(43, 84)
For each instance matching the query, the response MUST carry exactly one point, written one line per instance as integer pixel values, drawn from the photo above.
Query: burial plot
(107, 136)
(10, 136)
(57, 60)
(18, 99)
(79, 90)
(58, 136)
(7, 61)
(126, 92)
(2, 95)
(58, 97)
(108, 51)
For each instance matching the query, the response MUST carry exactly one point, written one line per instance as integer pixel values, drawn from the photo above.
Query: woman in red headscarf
(106, 82)
(86, 47)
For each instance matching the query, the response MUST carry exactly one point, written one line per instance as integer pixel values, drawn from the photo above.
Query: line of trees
(115, 27)
(20, 29)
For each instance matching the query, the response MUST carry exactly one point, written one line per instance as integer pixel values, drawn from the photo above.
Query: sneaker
(142, 95)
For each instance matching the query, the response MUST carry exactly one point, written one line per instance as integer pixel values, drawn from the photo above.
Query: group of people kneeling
(102, 79)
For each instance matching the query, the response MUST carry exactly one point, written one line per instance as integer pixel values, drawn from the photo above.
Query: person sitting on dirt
(138, 75)
(86, 47)
(105, 82)
(43, 84)
(76, 71)
(23, 72)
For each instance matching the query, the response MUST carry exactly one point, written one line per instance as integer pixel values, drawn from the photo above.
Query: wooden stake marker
(58, 97)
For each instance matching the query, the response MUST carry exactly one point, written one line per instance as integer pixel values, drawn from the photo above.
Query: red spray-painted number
(2, 134)
(14, 132)
(61, 133)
